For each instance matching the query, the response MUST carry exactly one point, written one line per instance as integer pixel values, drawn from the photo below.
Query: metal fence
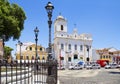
(28, 72)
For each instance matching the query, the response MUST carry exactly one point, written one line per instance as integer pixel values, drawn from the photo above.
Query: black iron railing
(27, 72)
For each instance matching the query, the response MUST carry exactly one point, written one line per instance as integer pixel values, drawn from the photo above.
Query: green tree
(11, 20)
(7, 52)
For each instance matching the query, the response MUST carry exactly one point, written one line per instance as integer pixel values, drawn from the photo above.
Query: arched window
(75, 56)
(81, 48)
(62, 46)
(69, 59)
(61, 27)
(69, 46)
(75, 47)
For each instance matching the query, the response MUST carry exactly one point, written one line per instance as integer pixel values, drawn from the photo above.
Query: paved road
(101, 76)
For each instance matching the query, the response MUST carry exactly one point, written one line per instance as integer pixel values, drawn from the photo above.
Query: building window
(104, 57)
(81, 47)
(27, 57)
(43, 58)
(30, 48)
(33, 58)
(75, 47)
(107, 57)
(40, 49)
(75, 56)
(62, 46)
(69, 59)
(21, 57)
(69, 46)
(61, 27)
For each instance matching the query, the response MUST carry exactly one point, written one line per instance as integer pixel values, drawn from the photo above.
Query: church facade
(70, 49)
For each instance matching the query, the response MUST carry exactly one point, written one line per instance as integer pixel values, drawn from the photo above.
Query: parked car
(113, 66)
(88, 66)
(75, 67)
(96, 66)
(108, 66)
(118, 66)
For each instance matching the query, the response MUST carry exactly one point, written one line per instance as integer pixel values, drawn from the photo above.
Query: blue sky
(101, 18)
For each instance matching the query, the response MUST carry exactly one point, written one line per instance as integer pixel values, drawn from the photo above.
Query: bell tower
(60, 27)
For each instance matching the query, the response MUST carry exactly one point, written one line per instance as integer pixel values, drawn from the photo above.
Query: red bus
(102, 62)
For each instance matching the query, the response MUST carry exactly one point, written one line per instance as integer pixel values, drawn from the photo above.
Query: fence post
(52, 79)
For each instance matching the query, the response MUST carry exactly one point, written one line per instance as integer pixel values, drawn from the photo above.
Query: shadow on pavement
(114, 72)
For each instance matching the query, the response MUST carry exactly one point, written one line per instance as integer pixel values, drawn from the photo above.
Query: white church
(70, 49)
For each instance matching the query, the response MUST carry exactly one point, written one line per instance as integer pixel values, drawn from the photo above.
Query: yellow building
(27, 51)
(108, 54)
(105, 54)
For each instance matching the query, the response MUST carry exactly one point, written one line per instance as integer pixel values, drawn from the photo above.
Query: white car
(75, 67)
(113, 66)
(118, 66)
(96, 66)
(108, 66)
(88, 66)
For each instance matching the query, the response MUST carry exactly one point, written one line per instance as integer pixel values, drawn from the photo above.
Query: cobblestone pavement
(101, 76)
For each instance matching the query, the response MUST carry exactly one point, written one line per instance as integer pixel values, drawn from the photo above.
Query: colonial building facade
(28, 52)
(70, 48)
(112, 55)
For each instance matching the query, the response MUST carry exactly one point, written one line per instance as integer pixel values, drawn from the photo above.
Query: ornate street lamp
(50, 80)
(20, 44)
(49, 8)
(36, 31)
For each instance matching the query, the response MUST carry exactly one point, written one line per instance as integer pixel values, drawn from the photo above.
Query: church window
(69, 59)
(81, 48)
(62, 27)
(69, 46)
(75, 47)
(75, 36)
(75, 56)
(62, 46)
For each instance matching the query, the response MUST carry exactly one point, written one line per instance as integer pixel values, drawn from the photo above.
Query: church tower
(60, 27)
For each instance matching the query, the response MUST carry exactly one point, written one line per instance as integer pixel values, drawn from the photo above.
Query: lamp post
(88, 47)
(52, 77)
(49, 8)
(36, 39)
(20, 44)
